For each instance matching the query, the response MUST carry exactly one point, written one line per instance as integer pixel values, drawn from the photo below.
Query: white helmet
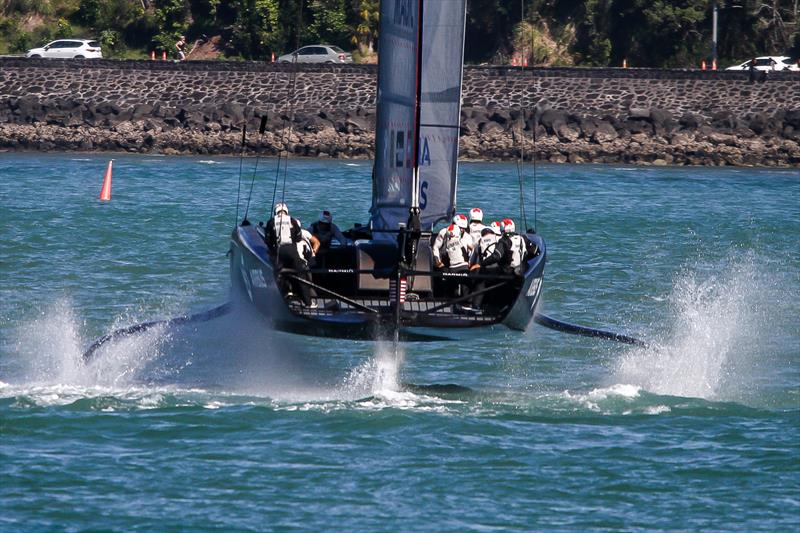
(281, 207)
(476, 214)
(460, 221)
(508, 226)
(496, 227)
(453, 231)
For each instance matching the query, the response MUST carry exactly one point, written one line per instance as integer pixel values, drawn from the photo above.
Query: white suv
(69, 49)
(768, 63)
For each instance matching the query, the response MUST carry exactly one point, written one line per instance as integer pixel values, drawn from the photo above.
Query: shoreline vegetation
(647, 136)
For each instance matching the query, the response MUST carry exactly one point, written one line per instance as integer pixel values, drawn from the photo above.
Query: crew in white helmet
(512, 250)
(476, 224)
(483, 250)
(284, 237)
(463, 239)
(451, 250)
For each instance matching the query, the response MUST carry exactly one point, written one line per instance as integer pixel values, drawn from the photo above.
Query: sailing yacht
(383, 280)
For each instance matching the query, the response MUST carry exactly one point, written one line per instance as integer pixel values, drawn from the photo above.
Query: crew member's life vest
(475, 230)
(457, 249)
(287, 230)
(487, 245)
(516, 252)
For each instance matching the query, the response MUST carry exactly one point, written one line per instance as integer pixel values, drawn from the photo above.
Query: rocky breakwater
(558, 115)
(65, 124)
(644, 135)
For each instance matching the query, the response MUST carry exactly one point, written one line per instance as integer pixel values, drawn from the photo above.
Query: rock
(691, 121)
(639, 113)
(604, 133)
(567, 132)
(552, 118)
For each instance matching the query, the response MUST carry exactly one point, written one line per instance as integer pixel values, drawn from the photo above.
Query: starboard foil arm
(565, 327)
(144, 326)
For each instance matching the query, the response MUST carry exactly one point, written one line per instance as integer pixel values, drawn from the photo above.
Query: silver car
(317, 53)
(68, 49)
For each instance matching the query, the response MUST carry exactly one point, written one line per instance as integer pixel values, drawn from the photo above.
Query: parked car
(68, 49)
(769, 63)
(317, 53)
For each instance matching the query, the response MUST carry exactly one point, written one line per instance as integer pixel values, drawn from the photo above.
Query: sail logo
(425, 153)
(404, 13)
(399, 148)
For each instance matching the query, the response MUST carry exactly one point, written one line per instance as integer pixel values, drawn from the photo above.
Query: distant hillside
(544, 32)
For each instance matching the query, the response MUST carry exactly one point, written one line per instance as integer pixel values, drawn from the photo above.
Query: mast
(414, 210)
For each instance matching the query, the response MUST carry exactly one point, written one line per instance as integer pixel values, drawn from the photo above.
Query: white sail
(437, 85)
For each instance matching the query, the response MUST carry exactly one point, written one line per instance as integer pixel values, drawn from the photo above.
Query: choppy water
(229, 426)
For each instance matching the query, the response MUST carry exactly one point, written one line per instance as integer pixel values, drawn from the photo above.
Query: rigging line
(293, 105)
(521, 160)
(241, 160)
(521, 175)
(261, 129)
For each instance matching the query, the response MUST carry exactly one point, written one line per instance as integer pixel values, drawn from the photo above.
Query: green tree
(256, 31)
(329, 22)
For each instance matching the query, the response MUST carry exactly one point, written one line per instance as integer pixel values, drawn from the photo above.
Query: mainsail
(404, 139)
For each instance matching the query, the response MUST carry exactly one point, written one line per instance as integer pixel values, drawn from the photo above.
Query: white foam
(718, 324)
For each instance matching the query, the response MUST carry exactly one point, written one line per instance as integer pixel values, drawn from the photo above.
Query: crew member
(512, 250)
(476, 224)
(284, 236)
(483, 250)
(451, 250)
(325, 231)
(308, 247)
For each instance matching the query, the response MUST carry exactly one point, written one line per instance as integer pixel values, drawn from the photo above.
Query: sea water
(230, 426)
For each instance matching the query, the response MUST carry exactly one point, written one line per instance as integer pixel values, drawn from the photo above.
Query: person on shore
(180, 46)
(284, 238)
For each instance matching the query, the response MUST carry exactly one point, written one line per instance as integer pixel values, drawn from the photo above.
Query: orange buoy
(105, 192)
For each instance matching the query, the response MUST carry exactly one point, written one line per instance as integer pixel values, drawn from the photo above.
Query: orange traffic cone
(152, 55)
(713, 64)
(105, 192)
(273, 57)
(703, 65)
(624, 63)
(163, 55)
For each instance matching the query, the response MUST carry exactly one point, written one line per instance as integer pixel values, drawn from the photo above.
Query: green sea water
(229, 426)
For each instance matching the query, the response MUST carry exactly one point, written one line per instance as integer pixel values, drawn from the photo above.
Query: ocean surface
(229, 426)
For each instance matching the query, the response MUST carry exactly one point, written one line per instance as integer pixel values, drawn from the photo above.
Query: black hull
(355, 303)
